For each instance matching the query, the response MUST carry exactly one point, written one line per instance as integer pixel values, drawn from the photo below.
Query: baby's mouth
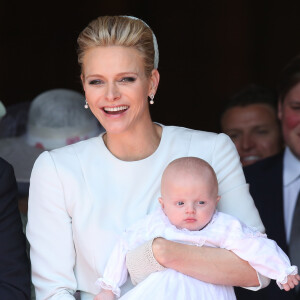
(115, 110)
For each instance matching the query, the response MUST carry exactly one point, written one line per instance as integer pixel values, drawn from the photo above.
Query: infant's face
(188, 202)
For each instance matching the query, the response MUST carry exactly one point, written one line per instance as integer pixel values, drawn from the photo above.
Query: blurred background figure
(2, 110)
(15, 120)
(55, 118)
(250, 119)
(14, 263)
(275, 183)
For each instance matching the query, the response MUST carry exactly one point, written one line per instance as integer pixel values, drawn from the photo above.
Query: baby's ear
(160, 200)
(218, 199)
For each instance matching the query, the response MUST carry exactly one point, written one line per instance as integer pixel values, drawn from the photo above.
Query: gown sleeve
(263, 254)
(49, 232)
(115, 273)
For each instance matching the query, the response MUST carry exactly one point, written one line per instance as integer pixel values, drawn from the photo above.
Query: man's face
(289, 114)
(255, 131)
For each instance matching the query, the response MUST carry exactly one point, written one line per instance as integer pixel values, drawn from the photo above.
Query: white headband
(155, 45)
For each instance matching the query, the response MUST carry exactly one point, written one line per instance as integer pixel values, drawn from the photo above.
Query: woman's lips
(115, 109)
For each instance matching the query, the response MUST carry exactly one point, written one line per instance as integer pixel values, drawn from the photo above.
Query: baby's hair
(191, 165)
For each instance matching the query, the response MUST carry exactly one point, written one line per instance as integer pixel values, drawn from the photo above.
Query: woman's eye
(128, 79)
(95, 82)
(180, 203)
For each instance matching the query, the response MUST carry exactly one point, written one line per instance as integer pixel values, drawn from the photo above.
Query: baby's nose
(190, 209)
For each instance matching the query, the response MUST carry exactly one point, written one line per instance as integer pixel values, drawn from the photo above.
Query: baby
(189, 197)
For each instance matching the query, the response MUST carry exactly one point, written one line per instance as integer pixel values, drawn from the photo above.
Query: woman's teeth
(117, 108)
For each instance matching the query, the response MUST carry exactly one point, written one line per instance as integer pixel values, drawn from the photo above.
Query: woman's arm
(115, 273)
(213, 265)
(49, 232)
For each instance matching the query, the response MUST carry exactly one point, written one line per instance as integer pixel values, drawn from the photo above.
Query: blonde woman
(84, 195)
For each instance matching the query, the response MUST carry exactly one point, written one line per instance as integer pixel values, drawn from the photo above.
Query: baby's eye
(180, 203)
(201, 202)
(96, 82)
(128, 79)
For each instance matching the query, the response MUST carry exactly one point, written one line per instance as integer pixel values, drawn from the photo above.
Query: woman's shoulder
(69, 154)
(200, 143)
(194, 134)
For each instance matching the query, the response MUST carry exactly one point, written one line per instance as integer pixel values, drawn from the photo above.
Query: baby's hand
(292, 281)
(105, 295)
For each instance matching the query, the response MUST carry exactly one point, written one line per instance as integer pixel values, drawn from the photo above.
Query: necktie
(295, 237)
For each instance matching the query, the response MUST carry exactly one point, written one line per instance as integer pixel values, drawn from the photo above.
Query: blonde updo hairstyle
(118, 31)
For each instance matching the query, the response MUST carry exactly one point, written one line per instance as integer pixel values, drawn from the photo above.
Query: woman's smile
(115, 110)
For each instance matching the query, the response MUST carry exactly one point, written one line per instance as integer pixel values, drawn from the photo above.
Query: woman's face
(116, 87)
(289, 114)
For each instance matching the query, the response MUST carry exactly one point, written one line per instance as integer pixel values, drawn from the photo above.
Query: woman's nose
(112, 92)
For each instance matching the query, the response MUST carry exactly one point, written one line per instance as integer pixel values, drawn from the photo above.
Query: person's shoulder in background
(14, 263)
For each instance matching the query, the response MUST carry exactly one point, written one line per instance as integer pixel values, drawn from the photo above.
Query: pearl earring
(86, 106)
(151, 99)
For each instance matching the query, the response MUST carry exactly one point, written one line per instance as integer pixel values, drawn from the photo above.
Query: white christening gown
(223, 231)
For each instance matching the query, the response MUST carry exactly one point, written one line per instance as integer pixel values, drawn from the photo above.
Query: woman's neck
(137, 145)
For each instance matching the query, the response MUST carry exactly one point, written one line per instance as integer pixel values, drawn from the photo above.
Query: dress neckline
(151, 157)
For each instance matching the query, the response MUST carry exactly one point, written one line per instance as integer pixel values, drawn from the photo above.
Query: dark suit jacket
(14, 263)
(266, 187)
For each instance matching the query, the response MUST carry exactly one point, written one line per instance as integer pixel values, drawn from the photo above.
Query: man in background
(250, 120)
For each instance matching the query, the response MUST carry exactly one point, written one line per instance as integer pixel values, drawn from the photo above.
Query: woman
(83, 196)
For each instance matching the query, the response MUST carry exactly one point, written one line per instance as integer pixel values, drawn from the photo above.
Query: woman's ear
(154, 81)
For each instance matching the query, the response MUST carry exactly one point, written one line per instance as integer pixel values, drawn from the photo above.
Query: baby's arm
(115, 273)
(262, 253)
